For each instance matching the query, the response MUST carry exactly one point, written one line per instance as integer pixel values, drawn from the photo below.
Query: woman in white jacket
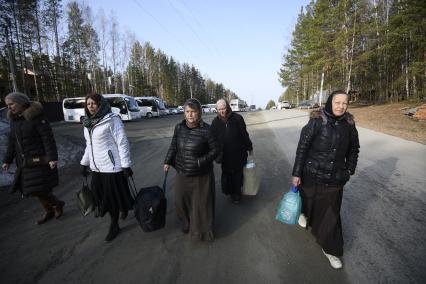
(108, 156)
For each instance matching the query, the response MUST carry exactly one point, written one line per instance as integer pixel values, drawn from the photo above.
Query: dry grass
(389, 119)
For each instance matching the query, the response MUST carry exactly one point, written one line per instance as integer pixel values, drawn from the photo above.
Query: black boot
(57, 205)
(124, 215)
(114, 229)
(113, 232)
(49, 213)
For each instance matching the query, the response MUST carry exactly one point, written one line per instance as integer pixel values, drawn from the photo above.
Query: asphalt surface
(383, 215)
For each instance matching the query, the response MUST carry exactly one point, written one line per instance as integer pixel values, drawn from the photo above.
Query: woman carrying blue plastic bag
(326, 157)
(290, 206)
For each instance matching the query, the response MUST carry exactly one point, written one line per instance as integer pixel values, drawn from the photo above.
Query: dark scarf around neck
(104, 109)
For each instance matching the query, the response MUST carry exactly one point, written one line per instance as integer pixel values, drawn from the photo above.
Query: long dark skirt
(195, 202)
(321, 205)
(232, 181)
(111, 192)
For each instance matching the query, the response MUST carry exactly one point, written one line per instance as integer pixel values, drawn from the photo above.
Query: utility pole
(11, 61)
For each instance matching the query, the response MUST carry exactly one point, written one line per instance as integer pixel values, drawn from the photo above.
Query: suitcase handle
(135, 191)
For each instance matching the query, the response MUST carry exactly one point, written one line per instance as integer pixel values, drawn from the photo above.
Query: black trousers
(232, 181)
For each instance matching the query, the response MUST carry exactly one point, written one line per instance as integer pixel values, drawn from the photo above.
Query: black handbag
(85, 200)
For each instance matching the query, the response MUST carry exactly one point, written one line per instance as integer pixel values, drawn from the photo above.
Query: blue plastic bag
(290, 207)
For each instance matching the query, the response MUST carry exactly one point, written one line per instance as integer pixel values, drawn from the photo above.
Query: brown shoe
(46, 217)
(59, 209)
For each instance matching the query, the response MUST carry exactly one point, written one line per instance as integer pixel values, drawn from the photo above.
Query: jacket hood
(34, 110)
(321, 114)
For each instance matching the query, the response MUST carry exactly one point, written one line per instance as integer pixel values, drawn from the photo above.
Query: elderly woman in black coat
(32, 145)
(326, 157)
(231, 131)
(192, 152)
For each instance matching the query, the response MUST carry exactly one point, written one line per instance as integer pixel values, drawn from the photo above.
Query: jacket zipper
(91, 147)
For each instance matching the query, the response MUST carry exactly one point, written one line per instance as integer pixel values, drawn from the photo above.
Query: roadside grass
(390, 119)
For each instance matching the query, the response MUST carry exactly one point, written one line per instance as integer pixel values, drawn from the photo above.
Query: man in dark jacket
(231, 132)
(32, 145)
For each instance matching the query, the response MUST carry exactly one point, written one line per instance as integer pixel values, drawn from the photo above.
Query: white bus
(73, 109)
(151, 106)
(123, 105)
(238, 105)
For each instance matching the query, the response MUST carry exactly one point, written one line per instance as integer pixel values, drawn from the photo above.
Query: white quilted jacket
(107, 147)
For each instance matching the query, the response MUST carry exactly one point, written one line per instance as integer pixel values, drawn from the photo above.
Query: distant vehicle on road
(206, 108)
(151, 106)
(238, 105)
(308, 104)
(283, 104)
(212, 107)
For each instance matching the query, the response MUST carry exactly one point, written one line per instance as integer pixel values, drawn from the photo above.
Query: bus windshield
(132, 105)
(73, 103)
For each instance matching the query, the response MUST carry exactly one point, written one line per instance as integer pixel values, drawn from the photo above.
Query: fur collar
(35, 109)
(321, 114)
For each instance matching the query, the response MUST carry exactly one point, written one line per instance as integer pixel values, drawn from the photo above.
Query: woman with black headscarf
(326, 157)
(192, 152)
(230, 129)
(108, 156)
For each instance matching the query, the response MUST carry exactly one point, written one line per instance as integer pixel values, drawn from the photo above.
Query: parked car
(284, 104)
(173, 110)
(206, 108)
(308, 104)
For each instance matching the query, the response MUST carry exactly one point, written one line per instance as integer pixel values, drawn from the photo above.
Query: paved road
(383, 217)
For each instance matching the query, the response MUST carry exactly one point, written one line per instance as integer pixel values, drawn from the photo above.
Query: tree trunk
(348, 87)
(11, 60)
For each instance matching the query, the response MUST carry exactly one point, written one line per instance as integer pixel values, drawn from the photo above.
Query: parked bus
(123, 105)
(73, 109)
(238, 105)
(151, 106)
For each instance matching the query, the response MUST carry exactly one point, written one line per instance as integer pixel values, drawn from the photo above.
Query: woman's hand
(52, 164)
(166, 167)
(5, 167)
(296, 181)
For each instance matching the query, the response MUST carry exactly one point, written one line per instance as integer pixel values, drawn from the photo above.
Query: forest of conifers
(375, 49)
(90, 55)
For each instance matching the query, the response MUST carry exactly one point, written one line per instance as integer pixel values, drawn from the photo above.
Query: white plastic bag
(251, 178)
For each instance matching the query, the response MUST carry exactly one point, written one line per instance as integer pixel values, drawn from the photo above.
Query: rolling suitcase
(150, 207)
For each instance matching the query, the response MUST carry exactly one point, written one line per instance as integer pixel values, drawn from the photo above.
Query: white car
(284, 104)
(206, 108)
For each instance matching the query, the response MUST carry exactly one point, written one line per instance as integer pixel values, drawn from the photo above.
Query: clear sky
(235, 42)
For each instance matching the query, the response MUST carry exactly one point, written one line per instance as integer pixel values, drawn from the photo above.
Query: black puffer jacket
(31, 137)
(192, 150)
(328, 149)
(234, 141)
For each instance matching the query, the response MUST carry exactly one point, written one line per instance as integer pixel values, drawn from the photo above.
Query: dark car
(308, 104)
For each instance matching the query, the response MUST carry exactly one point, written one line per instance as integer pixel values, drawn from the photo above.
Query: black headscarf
(103, 109)
(328, 109)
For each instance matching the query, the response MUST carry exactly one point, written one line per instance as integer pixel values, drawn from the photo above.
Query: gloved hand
(84, 170)
(128, 172)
